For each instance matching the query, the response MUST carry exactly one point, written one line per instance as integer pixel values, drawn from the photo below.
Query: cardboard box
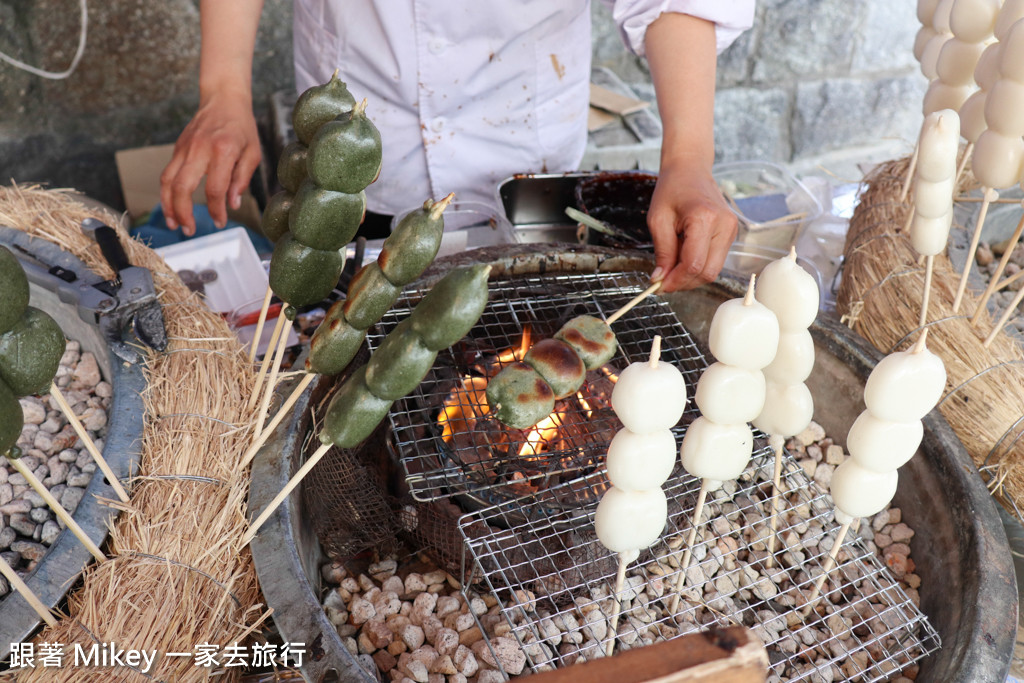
(139, 170)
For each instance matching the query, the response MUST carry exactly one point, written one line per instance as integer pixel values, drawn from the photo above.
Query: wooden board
(730, 655)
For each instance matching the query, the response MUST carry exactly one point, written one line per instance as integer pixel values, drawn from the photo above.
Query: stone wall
(812, 76)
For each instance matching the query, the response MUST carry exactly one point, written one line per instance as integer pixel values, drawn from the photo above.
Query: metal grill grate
(553, 571)
(481, 461)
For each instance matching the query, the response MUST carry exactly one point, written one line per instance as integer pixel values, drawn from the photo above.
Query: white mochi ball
(719, 452)
(790, 292)
(859, 492)
(794, 360)
(905, 385)
(974, 21)
(744, 335)
(630, 520)
(788, 409)
(997, 158)
(929, 235)
(649, 398)
(972, 116)
(727, 394)
(637, 462)
(880, 445)
(933, 199)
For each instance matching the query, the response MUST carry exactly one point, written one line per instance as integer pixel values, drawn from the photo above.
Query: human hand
(220, 142)
(691, 226)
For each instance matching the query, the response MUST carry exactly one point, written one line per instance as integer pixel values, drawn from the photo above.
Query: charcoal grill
(480, 460)
(968, 594)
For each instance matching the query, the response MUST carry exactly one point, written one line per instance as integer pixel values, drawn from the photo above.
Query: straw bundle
(880, 297)
(176, 577)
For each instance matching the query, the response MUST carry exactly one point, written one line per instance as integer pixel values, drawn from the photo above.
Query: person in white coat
(468, 93)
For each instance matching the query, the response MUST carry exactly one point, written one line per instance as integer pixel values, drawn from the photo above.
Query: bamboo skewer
(990, 196)
(279, 498)
(31, 598)
(268, 392)
(90, 446)
(268, 360)
(684, 565)
(963, 163)
(777, 442)
(620, 579)
(993, 282)
(929, 267)
(278, 417)
(259, 325)
(829, 563)
(1007, 314)
(62, 514)
(911, 169)
(1007, 281)
(633, 302)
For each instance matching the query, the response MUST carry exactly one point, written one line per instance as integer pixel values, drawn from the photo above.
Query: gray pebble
(23, 524)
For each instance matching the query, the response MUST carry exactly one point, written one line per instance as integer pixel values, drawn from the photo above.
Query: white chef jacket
(467, 93)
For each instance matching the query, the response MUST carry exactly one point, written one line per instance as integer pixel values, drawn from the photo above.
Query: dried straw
(880, 297)
(176, 576)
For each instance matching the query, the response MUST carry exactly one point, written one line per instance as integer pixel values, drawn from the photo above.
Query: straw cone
(880, 297)
(176, 577)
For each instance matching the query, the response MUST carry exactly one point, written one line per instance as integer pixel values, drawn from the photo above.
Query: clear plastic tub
(481, 224)
(745, 260)
(772, 205)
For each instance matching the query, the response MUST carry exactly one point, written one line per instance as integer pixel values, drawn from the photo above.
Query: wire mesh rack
(554, 581)
(447, 444)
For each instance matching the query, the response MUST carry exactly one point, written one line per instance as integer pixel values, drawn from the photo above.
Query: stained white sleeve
(731, 18)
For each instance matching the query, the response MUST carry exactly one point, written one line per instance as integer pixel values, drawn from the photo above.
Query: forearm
(681, 54)
(228, 40)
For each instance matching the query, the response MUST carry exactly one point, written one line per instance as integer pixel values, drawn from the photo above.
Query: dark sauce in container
(620, 199)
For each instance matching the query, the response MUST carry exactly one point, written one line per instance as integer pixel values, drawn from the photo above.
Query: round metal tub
(968, 590)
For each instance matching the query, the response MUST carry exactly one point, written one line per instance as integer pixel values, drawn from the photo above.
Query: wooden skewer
(620, 578)
(279, 498)
(911, 169)
(633, 302)
(1007, 281)
(31, 598)
(963, 163)
(993, 282)
(259, 325)
(268, 392)
(684, 565)
(90, 446)
(1003, 320)
(62, 514)
(280, 415)
(974, 200)
(829, 563)
(777, 442)
(990, 196)
(929, 265)
(268, 360)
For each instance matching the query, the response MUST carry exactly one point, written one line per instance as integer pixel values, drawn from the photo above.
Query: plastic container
(773, 207)
(745, 260)
(240, 284)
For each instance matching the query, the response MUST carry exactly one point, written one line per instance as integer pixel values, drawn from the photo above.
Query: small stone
(882, 541)
(895, 515)
(384, 660)
(7, 537)
(470, 636)
(383, 570)
(444, 665)
(412, 636)
(393, 584)
(465, 661)
(23, 524)
(490, 676)
(104, 390)
(415, 584)
(901, 533)
(32, 409)
(834, 455)
(6, 493)
(28, 550)
(417, 670)
(424, 604)
(814, 432)
(477, 606)
(809, 466)
(823, 475)
(881, 520)
(983, 255)
(446, 641)
(87, 373)
(94, 419)
(912, 580)
(366, 583)
(362, 611)
(79, 480)
(332, 572)
(446, 604)
(380, 635)
(40, 515)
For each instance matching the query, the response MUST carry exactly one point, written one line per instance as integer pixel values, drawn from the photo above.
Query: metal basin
(58, 570)
(968, 589)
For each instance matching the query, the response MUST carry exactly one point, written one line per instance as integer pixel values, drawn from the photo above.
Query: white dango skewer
(938, 31)
(972, 23)
(900, 391)
(743, 338)
(649, 399)
(998, 157)
(792, 295)
(932, 213)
